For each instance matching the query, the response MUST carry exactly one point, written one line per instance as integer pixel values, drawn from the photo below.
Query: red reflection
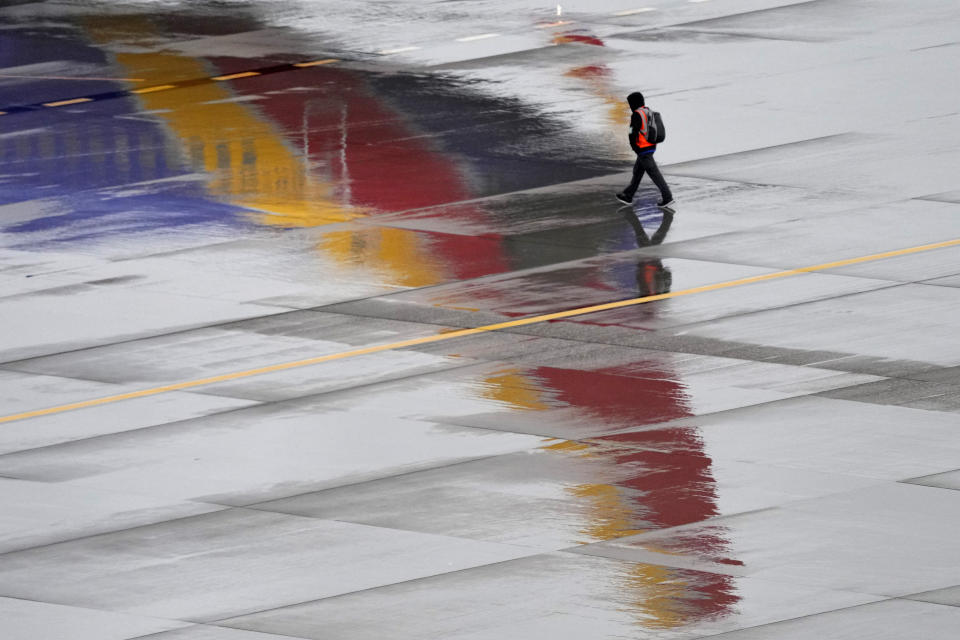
(613, 401)
(565, 38)
(380, 159)
(589, 72)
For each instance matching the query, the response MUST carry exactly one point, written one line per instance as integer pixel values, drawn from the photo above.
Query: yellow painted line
(63, 103)
(234, 76)
(5, 75)
(315, 62)
(558, 23)
(159, 87)
(631, 12)
(460, 333)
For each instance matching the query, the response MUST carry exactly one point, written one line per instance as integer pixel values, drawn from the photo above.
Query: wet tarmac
(319, 320)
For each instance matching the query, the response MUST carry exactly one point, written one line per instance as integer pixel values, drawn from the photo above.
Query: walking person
(644, 145)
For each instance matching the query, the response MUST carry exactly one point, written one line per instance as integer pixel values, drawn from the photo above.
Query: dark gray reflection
(652, 277)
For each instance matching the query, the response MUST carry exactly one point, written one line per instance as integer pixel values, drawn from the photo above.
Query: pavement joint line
(631, 12)
(482, 36)
(220, 508)
(263, 505)
(779, 623)
(225, 622)
(596, 439)
(266, 404)
(388, 52)
(461, 333)
(790, 305)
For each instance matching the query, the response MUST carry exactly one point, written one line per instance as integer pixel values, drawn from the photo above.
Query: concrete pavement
(200, 191)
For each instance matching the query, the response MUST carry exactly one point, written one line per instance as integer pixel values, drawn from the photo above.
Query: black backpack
(659, 133)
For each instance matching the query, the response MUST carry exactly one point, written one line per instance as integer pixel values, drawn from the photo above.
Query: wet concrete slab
(534, 595)
(207, 632)
(859, 541)
(947, 480)
(949, 596)
(825, 159)
(867, 440)
(680, 343)
(905, 322)
(555, 401)
(569, 493)
(948, 281)
(623, 276)
(559, 213)
(879, 228)
(231, 563)
(47, 324)
(225, 460)
(653, 365)
(37, 514)
(25, 619)
(934, 268)
(889, 619)
(235, 347)
(25, 392)
(919, 394)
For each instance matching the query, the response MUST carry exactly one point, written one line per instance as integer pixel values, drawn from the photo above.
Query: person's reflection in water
(652, 277)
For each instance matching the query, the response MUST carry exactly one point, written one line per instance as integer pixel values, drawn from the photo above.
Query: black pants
(646, 164)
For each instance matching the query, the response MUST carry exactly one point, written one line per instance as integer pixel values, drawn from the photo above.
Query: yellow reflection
(567, 446)
(398, 252)
(597, 79)
(662, 596)
(515, 389)
(610, 513)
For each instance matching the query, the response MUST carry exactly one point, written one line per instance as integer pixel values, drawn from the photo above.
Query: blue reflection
(94, 170)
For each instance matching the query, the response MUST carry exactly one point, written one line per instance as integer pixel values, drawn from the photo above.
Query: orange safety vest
(642, 142)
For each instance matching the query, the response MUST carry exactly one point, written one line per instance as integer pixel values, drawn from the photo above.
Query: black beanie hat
(635, 100)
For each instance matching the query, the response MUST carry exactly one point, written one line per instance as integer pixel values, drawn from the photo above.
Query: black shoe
(663, 203)
(622, 197)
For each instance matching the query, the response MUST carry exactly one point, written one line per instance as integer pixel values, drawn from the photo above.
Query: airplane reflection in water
(647, 480)
(324, 145)
(336, 145)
